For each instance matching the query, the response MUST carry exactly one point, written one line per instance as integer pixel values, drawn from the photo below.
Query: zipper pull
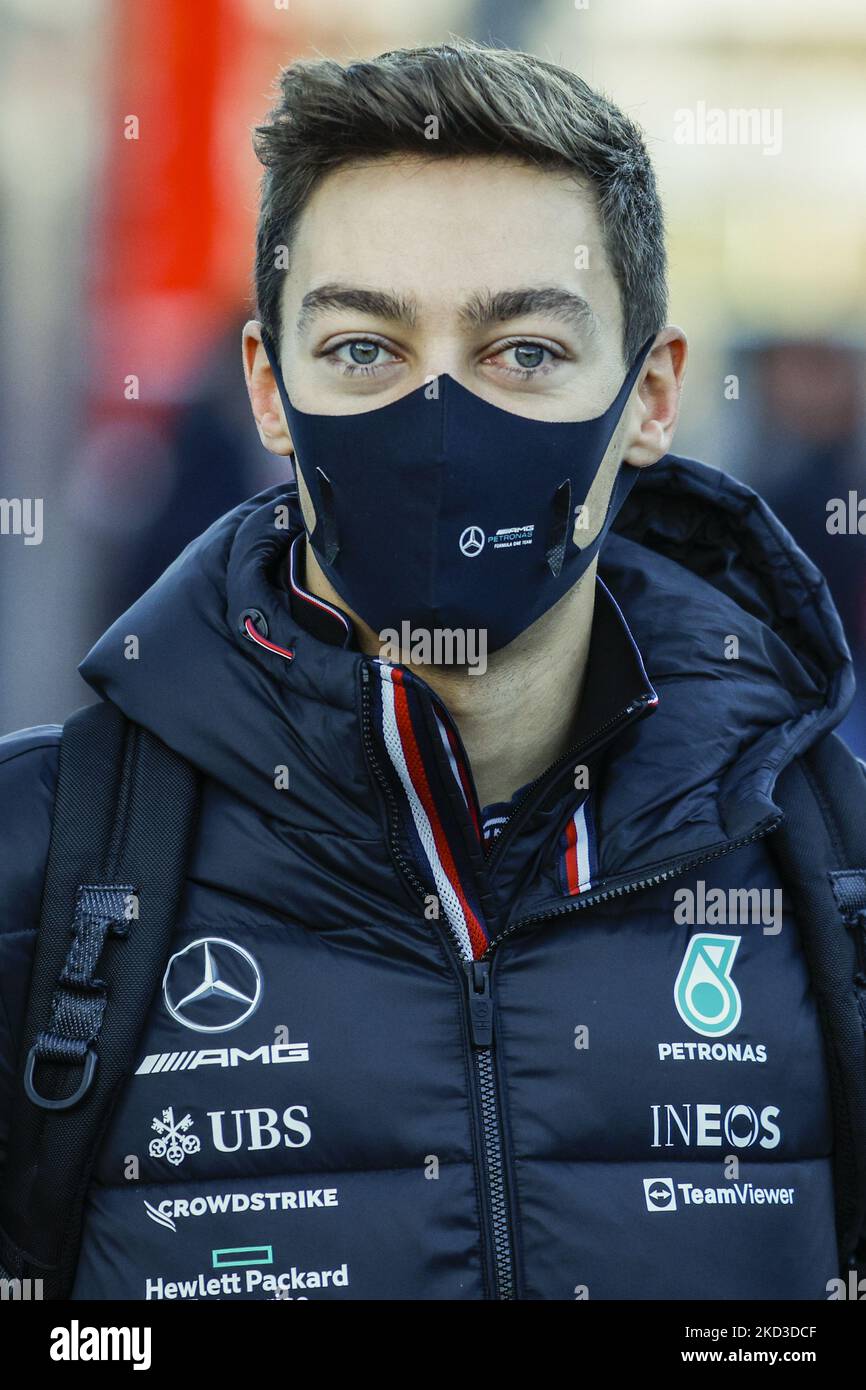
(480, 1002)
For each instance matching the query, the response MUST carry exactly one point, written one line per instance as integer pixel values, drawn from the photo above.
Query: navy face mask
(445, 511)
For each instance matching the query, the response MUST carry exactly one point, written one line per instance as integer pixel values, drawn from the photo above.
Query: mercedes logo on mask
(472, 541)
(212, 985)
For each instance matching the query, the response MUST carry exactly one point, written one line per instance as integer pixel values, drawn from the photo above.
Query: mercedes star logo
(472, 541)
(212, 985)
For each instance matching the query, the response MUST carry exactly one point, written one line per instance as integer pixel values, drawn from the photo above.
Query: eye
(528, 355)
(360, 356)
(524, 359)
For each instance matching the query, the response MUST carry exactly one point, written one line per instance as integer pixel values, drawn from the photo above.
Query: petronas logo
(705, 995)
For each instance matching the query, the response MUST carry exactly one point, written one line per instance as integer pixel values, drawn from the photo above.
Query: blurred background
(132, 257)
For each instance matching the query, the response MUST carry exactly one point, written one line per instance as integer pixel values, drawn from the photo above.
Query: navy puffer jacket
(389, 1060)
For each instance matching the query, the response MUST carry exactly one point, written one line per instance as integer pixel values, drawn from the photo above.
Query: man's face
(486, 269)
(490, 270)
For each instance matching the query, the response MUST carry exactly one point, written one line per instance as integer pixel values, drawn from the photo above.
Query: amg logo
(160, 1062)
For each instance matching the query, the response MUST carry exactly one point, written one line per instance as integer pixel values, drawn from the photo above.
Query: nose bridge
(441, 341)
(447, 343)
(444, 357)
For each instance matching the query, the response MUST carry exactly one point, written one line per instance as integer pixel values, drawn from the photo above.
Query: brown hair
(487, 101)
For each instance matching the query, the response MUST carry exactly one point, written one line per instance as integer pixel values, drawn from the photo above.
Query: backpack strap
(822, 853)
(123, 819)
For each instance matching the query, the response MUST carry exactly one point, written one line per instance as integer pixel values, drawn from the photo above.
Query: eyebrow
(481, 310)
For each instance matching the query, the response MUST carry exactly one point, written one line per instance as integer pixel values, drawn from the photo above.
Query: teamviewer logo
(660, 1194)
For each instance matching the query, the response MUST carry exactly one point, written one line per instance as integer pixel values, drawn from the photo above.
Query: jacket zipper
(580, 750)
(480, 998)
(390, 800)
(480, 1017)
(481, 1030)
(670, 870)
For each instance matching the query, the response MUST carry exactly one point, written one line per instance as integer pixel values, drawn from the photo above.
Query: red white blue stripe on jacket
(447, 844)
(577, 860)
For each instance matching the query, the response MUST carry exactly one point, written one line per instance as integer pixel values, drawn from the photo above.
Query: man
(484, 983)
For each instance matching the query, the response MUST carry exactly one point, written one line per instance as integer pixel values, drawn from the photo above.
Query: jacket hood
(737, 630)
(742, 641)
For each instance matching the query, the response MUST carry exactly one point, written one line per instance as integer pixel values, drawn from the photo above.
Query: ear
(262, 390)
(655, 406)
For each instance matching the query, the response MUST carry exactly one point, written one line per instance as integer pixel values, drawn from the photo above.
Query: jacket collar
(696, 559)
